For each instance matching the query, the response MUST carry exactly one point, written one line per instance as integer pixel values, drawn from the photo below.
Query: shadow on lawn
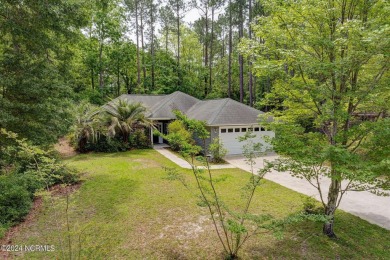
(356, 239)
(84, 156)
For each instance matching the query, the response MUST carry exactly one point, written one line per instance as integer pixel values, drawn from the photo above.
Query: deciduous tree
(331, 60)
(36, 41)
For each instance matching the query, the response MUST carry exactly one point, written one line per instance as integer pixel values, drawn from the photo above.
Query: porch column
(151, 136)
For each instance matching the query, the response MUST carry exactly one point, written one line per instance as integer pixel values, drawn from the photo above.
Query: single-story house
(225, 117)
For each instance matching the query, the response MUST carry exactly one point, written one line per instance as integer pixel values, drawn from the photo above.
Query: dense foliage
(178, 135)
(24, 170)
(54, 53)
(36, 41)
(330, 60)
(217, 150)
(117, 126)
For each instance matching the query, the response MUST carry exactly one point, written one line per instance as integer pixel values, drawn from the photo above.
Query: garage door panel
(231, 143)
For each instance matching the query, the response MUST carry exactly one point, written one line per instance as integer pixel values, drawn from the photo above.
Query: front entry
(160, 140)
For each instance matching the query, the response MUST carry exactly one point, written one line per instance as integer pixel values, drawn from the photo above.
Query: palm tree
(87, 125)
(124, 117)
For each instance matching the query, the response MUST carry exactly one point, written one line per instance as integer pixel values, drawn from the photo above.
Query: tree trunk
(92, 70)
(178, 43)
(142, 46)
(166, 39)
(137, 36)
(82, 143)
(211, 50)
(230, 51)
(178, 32)
(126, 79)
(101, 79)
(240, 57)
(152, 43)
(254, 89)
(223, 43)
(118, 79)
(126, 138)
(331, 206)
(206, 46)
(250, 88)
(92, 79)
(241, 64)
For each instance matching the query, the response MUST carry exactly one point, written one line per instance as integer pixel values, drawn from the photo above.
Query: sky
(191, 16)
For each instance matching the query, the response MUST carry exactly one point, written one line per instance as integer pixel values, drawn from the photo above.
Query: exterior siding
(214, 133)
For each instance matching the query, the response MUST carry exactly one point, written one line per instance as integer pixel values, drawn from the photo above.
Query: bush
(178, 135)
(217, 150)
(107, 145)
(3, 230)
(27, 169)
(15, 200)
(18, 189)
(139, 139)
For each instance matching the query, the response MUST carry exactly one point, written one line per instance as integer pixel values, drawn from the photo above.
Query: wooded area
(58, 51)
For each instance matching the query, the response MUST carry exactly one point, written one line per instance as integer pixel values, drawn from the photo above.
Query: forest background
(57, 53)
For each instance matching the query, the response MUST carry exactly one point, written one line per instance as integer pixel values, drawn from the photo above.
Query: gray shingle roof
(215, 112)
(175, 101)
(147, 100)
(224, 112)
(161, 106)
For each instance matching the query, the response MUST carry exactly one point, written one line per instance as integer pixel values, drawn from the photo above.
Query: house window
(237, 130)
(257, 129)
(262, 129)
(243, 130)
(250, 129)
(230, 130)
(223, 130)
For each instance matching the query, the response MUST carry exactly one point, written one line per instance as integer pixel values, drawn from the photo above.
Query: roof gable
(161, 106)
(175, 101)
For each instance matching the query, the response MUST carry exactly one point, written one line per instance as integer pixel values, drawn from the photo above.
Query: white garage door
(229, 137)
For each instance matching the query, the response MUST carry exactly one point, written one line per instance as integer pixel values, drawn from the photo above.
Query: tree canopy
(330, 62)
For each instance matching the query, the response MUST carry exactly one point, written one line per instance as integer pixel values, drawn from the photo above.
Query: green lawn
(127, 209)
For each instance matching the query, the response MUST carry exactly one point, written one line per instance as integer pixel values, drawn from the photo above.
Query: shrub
(217, 150)
(87, 126)
(139, 139)
(3, 230)
(27, 169)
(107, 145)
(178, 135)
(115, 127)
(15, 200)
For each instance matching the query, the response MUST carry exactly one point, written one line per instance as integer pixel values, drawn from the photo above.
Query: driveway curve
(375, 209)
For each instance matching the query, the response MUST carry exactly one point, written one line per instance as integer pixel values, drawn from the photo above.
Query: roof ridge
(170, 97)
(146, 95)
(220, 110)
(194, 105)
(183, 93)
(242, 104)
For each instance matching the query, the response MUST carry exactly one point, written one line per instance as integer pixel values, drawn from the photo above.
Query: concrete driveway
(374, 209)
